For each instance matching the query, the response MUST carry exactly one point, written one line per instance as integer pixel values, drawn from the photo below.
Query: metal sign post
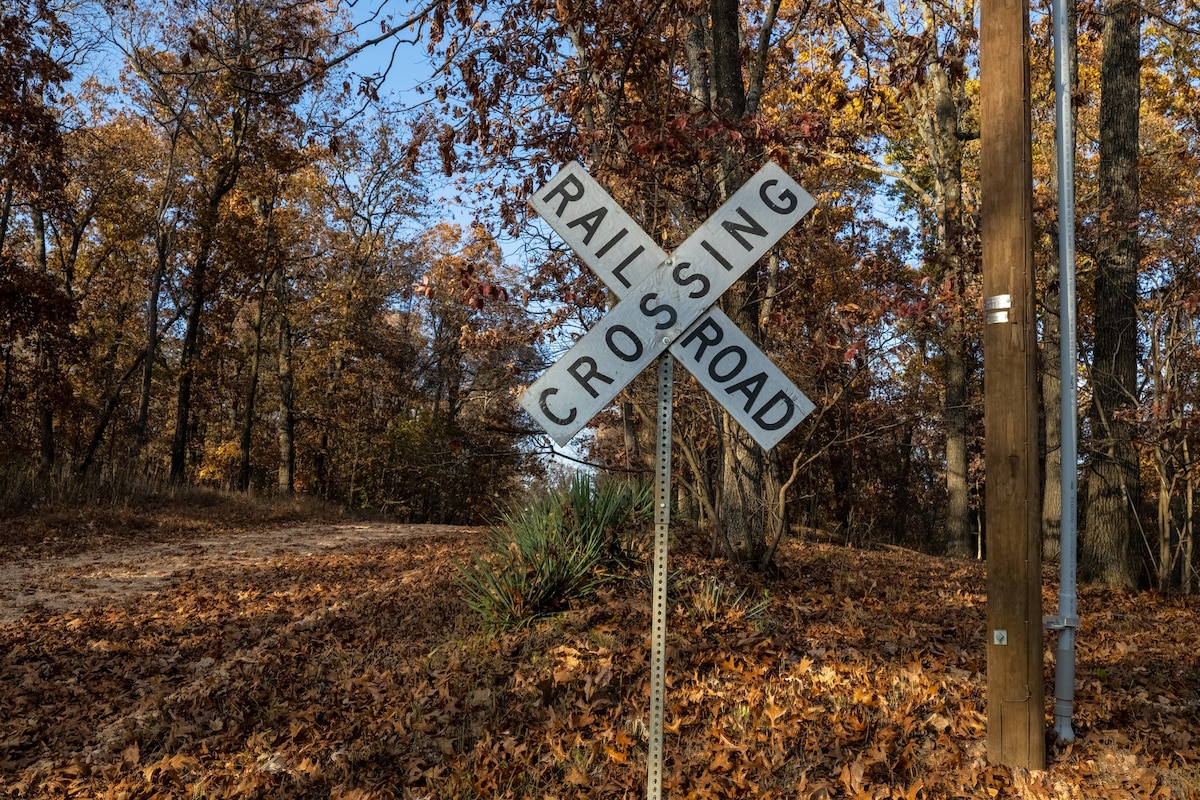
(669, 304)
(658, 605)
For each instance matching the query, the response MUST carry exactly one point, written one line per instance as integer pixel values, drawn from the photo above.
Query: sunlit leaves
(361, 674)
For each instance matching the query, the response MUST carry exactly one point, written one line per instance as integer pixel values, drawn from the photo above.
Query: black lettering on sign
(590, 222)
(736, 230)
(608, 245)
(709, 326)
(584, 370)
(699, 277)
(631, 349)
(760, 416)
(661, 308)
(740, 357)
(569, 188)
(786, 202)
(545, 406)
(749, 387)
(628, 260)
(712, 251)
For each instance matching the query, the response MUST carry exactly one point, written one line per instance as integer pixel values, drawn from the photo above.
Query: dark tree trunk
(190, 350)
(189, 357)
(286, 426)
(162, 252)
(106, 414)
(45, 359)
(727, 82)
(1106, 546)
(741, 506)
(247, 434)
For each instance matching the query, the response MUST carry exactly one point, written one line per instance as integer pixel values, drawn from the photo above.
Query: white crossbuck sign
(670, 304)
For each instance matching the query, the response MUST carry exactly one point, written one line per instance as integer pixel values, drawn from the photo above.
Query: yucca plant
(610, 510)
(556, 550)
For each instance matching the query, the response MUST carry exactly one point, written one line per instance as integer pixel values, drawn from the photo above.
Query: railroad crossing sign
(674, 309)
(670, 305)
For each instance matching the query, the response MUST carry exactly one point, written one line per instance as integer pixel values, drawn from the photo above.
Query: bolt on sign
(669, 305)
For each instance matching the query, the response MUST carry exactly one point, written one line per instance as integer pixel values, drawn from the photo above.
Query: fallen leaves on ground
(361, 675)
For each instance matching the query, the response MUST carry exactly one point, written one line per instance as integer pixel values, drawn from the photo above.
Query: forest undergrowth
(364, 674)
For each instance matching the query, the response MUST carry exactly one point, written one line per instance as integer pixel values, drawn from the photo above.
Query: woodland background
(229, 258)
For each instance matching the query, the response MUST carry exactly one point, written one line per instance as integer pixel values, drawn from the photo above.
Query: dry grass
(62, 513)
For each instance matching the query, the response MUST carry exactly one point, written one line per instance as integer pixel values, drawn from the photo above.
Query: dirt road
(59, 584)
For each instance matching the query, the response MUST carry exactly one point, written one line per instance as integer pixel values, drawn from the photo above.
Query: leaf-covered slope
(855, 674)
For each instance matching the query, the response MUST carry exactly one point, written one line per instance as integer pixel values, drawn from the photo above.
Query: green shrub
(556, 550)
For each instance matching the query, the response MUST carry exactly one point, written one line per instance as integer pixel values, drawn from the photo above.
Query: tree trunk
(45, 359)
(106, 414)
(142, 426)
(698, 49)
(633, 452)
(1052, 415)
(1187, 535)
(741, 507)
(1162, 344)
(223, 182)
(6, 204)
(1051, 398)
(1113, 487)
(727, 84)
(246, 440)
(164, 243)
(188, 359)
(45, 413)
(286, 426)
(951, 234)
(162, 249)
(958, 506)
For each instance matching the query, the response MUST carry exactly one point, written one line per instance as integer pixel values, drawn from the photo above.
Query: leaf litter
(340, 662)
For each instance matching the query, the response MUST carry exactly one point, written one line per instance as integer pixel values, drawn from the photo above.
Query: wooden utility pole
(1016, 718)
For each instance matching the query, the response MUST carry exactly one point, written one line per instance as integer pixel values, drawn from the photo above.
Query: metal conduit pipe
(1068, 604)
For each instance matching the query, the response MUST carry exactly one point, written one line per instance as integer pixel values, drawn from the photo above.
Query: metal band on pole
(658, 611)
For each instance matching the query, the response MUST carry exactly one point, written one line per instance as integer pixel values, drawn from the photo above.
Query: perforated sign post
(668, 304)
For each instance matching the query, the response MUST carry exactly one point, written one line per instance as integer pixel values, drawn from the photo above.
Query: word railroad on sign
(669, 304)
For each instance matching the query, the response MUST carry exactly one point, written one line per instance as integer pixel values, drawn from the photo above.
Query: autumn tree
(99, 253)
(36, 312)
(667, 108)
(1113, 476)
(1168, 295)
(913, 62)
(229, 77)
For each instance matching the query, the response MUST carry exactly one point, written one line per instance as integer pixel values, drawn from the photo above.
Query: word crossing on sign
(669, 304)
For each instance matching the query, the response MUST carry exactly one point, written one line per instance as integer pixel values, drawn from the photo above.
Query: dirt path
(59, 584)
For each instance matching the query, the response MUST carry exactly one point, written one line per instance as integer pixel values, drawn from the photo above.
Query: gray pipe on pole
(1068, 606)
